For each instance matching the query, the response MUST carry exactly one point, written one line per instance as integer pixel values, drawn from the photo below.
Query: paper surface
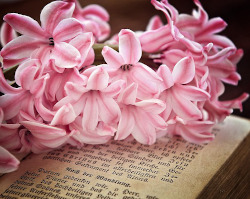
(172, 168)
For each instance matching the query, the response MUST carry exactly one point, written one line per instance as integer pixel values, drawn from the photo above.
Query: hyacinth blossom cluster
(63, 97)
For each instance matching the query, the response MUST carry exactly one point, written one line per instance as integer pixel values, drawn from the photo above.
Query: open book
(171, 168)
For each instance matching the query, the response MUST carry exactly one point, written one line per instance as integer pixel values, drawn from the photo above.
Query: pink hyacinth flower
(39, 137)
(57, 28)
(21, 100)
(125, 65)
(139, 118)
(178, 95)
(8, 162)
(94, 18)
(95, 101)
(197, 132)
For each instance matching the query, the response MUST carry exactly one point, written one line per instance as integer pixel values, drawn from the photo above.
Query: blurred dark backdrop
(134, 14)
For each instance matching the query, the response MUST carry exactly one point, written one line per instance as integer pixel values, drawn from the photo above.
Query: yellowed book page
(172, 168)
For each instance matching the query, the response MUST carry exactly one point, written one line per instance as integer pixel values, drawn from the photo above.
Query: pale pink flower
(198, 132)
(8, 162)
(139, 118)
(94, 18)
(217, 111)
(21, 100)
(40, 138)
(57, 28)
(102, 133)
(94, 101)
(125, 65)
(180, 96)
(90, 110)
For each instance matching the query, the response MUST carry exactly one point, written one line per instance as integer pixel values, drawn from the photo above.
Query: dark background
(134, 14)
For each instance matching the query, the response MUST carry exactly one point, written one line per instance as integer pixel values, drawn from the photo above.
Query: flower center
(126, 66)
(51, 41)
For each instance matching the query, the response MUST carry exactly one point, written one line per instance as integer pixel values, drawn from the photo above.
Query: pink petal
(217, 40)
(38, 87)
(184, 108)
(200, 126)
(184, 71)
(157, 121)
(213, 26)
(164, 72)
(95, 10)
(53, 85)
(8, 162)
(154, 23)
(11, 104)
(78, 105)
(197, 138)
(112, 57)
(65, 55)
(74, 91)
(114, 88)
(129, 46)
(216, 111)
(43, 131)
(43, 111)
(101, 135)
(25, 78)
(172, 56)
(236, 57)
(126, 124)
(55, 12)
(154, 106)
(152, 41)
(143, 132)
(5, 87)
(67, 29)
(109, 111)
(83, 43)
(20, 48)
(167, 98)
(25, 25)
(191, 92)
(7, 34)
(128, 96)
(193, 46)
(90, 113)
(146, 77)
(98, 80)
(8, 63)
(64, 116)
(236, 103)
(103, 29)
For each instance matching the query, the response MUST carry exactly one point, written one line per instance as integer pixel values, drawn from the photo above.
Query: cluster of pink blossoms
(62, 98)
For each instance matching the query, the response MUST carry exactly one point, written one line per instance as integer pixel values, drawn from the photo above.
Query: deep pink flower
(139, 118)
